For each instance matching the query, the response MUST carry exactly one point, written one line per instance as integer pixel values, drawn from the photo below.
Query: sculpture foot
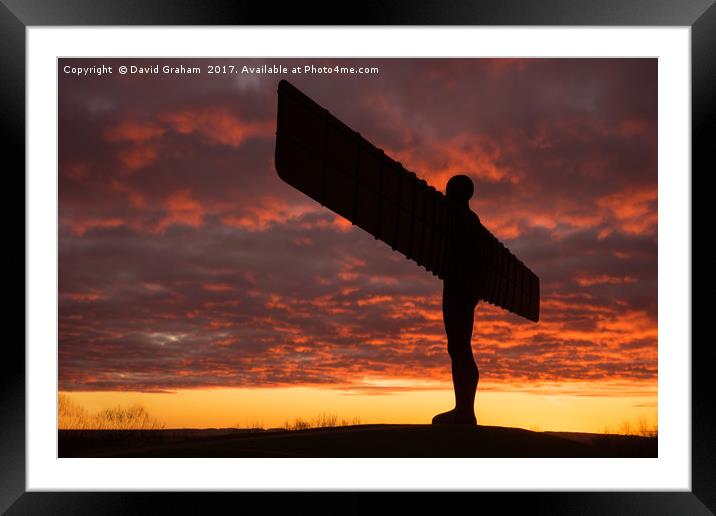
(453, 417)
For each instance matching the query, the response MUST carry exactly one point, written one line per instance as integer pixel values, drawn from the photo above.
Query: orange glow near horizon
(553, 410)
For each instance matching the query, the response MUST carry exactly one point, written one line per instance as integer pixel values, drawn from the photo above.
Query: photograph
(357, 257)
(441, 251)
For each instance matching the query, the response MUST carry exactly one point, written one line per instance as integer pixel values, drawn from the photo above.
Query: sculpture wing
(325, 159)
(503, 279)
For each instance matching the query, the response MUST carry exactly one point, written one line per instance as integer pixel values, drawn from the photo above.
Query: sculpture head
(459, 188)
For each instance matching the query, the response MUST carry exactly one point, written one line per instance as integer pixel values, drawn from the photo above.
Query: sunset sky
(194, 281)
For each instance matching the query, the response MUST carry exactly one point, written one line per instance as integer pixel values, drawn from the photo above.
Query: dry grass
(641, 427)
(255, 425)
(321, 421)
(72, 416)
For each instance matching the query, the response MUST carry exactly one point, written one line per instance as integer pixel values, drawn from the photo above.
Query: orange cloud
(588, 281)
(82, 296)
(217, 287)
(182, 209)
(134, 131)
(137, 157)
(474, 155)
(136, 197)
(633, 208)
(218, 126)
(373, 300)
(80, 227)
(263, 213)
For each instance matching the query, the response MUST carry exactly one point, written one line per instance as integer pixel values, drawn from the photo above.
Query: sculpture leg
(458, 316)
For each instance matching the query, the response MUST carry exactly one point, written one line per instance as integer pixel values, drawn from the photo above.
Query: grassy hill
(353, 441)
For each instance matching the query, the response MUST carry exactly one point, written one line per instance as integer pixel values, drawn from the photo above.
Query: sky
(192, 279)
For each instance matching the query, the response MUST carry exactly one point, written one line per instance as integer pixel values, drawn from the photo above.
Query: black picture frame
(17, 15)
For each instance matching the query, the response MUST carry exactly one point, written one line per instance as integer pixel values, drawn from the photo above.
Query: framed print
(250, 249)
